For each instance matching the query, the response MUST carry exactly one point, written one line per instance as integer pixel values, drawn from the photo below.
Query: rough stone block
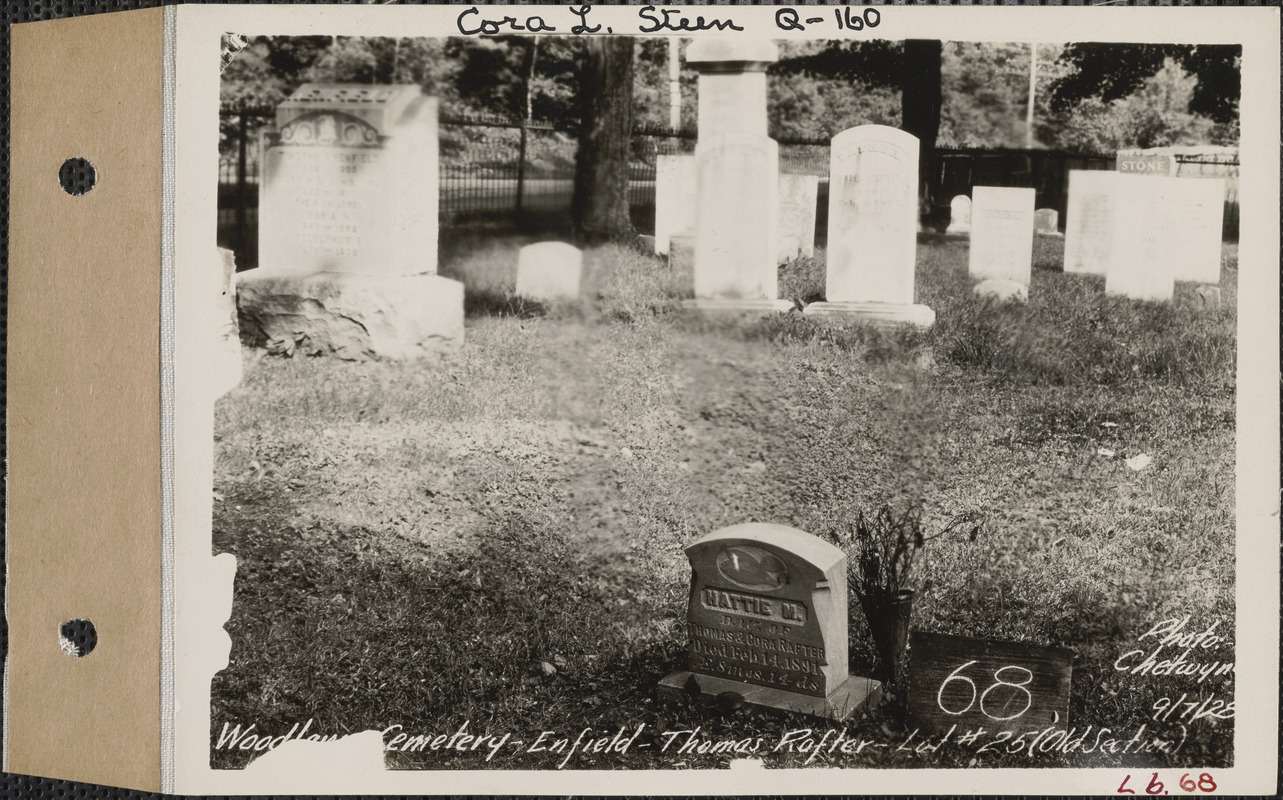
(351, 316)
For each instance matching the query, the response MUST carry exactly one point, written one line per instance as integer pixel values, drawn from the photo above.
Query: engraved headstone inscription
(767, 624)
(339, 194)
(348, 229)
(1002, 233)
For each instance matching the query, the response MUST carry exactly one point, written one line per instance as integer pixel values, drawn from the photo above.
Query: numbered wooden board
(983, 683)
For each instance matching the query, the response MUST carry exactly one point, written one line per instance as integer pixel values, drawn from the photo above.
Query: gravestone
(549, 271)
(681, 262)
(767, 624)
(798, 195)
(1002, 233)
(1046, 221)
(737, 179)
(1089, 221)
(1140, 264)
(348, 228)
(674, 197)
(959, 215)
(1197, 206)
(873, 225)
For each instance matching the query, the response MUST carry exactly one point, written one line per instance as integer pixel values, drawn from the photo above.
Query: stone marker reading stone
(798, 195)
(767, 624)
(959, 215)
(348, 228)
(737, 179)
(549, 271)
(1002, 233)
(674, 197)
(1089, 221)
(873, 228)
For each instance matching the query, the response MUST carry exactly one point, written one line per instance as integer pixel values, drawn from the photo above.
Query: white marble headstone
(1002, 233)
(1089, 221)
(797, 215)
(1140, 264)
(737, 237)
(959, 214)
(674, 197)
(873, 215)
(351, 185)
(549, 271)
(873, 227)
(1198, 204)
(1046, 220)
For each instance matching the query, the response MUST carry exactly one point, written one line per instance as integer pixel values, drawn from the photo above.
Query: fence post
(241, 248)
(521, 167)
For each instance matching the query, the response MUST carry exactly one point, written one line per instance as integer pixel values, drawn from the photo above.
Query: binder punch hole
(77, 637)
(77, 176)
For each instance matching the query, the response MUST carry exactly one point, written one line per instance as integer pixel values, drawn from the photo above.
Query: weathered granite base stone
(350, 316)
(711, 306)
(875, 313)
(853, 695)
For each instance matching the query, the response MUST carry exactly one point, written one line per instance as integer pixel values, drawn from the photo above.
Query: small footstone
(1002, 290)
(646, 242)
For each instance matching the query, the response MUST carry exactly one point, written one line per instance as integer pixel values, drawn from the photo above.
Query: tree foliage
(1156, 114)
(1113, 71)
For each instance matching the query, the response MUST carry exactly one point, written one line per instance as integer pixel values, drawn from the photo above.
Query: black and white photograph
(698, 396)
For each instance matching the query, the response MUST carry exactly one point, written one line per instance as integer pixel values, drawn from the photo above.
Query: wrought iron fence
(521, 173)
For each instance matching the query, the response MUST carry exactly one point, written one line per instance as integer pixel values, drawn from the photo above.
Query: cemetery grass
(496, 537)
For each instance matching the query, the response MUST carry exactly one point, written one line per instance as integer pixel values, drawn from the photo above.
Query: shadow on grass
(501, 304)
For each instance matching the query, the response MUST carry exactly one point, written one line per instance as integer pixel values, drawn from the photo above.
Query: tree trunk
(600, 205)
(920, 101)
